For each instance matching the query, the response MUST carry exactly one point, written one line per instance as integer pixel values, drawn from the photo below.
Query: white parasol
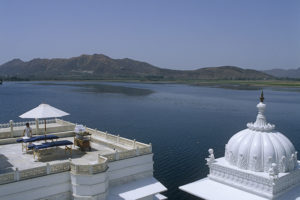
(44, 111)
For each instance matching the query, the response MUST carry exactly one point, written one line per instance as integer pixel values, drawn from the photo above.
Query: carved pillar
(134, 143)
(11, 124)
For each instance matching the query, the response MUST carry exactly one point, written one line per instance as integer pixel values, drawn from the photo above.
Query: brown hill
(99, 66)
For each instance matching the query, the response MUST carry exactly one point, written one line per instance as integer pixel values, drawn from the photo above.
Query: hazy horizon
(168, 34)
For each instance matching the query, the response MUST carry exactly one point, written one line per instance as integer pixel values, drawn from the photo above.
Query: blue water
(182, 122)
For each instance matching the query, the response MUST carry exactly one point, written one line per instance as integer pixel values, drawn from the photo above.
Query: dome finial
(261, 123)
(262, 96)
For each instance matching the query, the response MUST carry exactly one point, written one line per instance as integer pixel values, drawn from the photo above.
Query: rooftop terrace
(16, 165)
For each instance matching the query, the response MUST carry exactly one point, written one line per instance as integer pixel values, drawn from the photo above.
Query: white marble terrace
(112, 164)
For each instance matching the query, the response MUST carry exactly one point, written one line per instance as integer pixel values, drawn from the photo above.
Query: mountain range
(284, 73)
(99, 66)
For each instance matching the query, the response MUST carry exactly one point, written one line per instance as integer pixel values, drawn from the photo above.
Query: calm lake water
(182, 122)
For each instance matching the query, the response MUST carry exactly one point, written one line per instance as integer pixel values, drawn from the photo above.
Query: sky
(186, 34)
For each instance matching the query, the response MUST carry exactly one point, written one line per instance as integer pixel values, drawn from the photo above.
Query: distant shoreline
(234, 84)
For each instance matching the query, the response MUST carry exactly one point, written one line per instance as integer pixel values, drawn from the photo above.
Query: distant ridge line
(100, 66)
(284, 73)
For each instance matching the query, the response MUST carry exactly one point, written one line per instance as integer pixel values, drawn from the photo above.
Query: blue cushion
(20, 140)
(47, 137)
(31, 146)
(37, 138)
(53, 144)
(61, 143)
(42, 146)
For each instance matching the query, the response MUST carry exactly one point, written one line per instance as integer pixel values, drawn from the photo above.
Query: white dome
(257, 147)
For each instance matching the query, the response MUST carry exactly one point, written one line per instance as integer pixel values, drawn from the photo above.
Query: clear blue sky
(185, 34)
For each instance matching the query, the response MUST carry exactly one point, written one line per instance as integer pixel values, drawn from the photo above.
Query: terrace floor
(11, 156)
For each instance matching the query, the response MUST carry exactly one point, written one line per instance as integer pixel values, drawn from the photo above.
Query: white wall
(38, 188)
(65, 186)
(89, 186)
(123, 171)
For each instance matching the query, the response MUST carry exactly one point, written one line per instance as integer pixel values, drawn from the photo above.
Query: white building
(259, 164)
(116, 167)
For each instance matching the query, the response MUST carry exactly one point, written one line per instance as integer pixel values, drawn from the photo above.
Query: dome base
(259, 183)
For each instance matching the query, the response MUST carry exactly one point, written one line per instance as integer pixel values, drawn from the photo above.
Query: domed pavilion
(260, 163)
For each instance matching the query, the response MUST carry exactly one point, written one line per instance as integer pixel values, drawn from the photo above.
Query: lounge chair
(36, 148)
(34, 139)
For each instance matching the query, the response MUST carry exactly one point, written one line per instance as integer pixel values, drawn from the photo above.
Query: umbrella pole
(45, 129)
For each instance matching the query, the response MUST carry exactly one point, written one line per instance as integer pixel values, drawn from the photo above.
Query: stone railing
(128, 153)
(15, 129)
(111, 145)
(17, 124)
(48, 121)
(7, 125)
(287, 181)
(31, 123)
(133, 148)
(59, 167)
(145, 150)
(116, 139)
(8, 177)
(19, 175)
(110, 138)
(89, 169)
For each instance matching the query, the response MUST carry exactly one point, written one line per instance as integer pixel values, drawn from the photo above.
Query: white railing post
(11, 124)
(134, 143)
(137, 151)
(117, 155)
(36, 126)
(90, 169)
(17, 175)
(48, 168)
(118, 138)
(99, 159)
(76, 169)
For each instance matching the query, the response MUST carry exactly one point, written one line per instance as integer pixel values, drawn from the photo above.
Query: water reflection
(104, 88)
